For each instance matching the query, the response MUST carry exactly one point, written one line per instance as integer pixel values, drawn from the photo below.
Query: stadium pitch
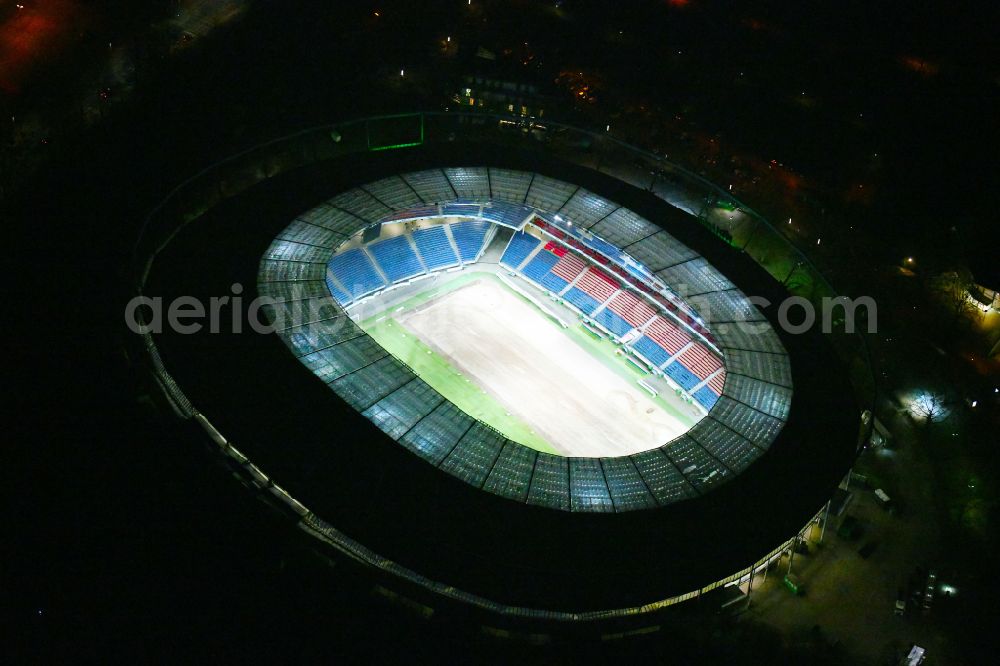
(503, 360)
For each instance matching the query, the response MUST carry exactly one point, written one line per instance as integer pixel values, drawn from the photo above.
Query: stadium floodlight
(558, 218)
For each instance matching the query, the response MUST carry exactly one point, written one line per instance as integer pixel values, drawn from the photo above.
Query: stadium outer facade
(441, 539)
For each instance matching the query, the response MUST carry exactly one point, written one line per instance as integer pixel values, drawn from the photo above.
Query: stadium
(519, 376)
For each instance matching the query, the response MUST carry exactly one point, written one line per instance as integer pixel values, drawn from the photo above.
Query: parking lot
(849, 600)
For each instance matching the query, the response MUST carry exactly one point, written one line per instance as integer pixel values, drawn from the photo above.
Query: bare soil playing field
(540, 374)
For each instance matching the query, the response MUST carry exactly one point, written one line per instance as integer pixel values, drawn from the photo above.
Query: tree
(930, 406)
(953, 288)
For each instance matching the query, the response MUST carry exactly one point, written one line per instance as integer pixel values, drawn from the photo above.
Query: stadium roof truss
(755, 401)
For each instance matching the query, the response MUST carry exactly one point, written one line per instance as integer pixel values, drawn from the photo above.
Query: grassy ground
(467, 396)
(452, 384)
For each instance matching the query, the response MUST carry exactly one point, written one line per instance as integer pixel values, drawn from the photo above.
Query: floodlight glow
(925, 406)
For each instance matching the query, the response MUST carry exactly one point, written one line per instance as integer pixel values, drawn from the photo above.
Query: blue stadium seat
(612, 322)
(342, 296)
(604, 247)
(706, 397)
(461, 209)
(469, 236)
(687, 379)
(651, 351)
(580, 300)
(434, 247)
(541, 264)
(521, 245)
(355, 272)
(507, 214)
(396, 258)
(553, 282)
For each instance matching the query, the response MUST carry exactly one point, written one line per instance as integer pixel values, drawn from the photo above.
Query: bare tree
(954, 288)
(930, 406)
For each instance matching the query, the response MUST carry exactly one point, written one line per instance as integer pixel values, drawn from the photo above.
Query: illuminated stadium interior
(530, 337)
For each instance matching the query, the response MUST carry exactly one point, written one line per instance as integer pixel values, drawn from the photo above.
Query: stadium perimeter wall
(283, 194)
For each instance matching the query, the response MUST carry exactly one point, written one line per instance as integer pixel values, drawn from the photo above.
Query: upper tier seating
(461, 209)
